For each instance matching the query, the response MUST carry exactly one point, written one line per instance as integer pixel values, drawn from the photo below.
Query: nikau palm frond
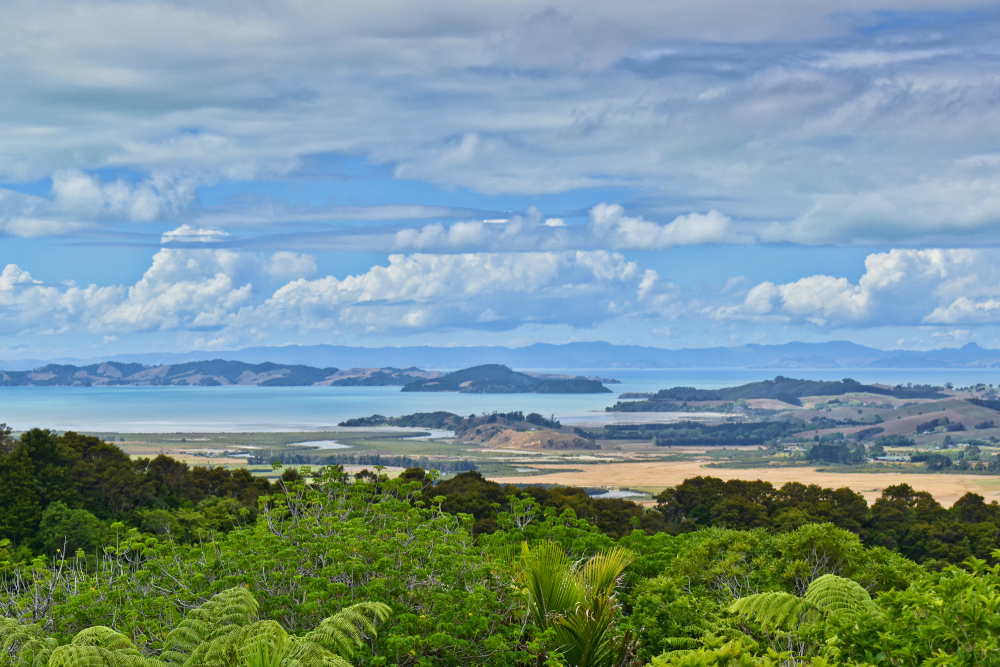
(577, 602)
(826, 595)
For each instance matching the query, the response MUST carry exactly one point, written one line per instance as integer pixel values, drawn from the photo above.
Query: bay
(270, 409)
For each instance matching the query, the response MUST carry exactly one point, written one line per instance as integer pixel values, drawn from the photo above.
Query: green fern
(24, 644)
(83, 655)
(826, 595)
(220, 615)
(106, 638)
(266, 644)
(344, 632)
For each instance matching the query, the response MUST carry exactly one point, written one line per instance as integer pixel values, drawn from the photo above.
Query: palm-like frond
(553, 587)
(343, 632)
(826, 595)
(586, 636)
(578, 603)
(601, 573)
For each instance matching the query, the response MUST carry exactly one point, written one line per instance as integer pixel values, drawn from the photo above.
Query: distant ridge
(835, 354)
(500, 379)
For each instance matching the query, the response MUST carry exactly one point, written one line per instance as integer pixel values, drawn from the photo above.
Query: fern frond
(225, 650)
(837, 595)
(308, 654)
(105, 637)
(82, 655)
(217, 616)
(343, 632)
(826, 595)
(24, 644)
(780, 611)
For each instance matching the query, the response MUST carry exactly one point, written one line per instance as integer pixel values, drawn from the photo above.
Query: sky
(210, 175)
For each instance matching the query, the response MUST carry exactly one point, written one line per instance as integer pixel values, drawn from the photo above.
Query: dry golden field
(654, 477)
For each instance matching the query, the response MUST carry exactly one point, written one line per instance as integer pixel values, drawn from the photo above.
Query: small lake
(270, 409)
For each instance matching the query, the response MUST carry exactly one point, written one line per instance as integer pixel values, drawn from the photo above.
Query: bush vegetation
(109, 562)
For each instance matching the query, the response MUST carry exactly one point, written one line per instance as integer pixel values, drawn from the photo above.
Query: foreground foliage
(334, 569)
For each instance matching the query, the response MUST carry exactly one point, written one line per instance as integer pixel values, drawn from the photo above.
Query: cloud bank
(876, 123)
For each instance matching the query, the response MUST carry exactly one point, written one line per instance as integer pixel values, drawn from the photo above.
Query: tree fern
(826, 595)
(267, 644)
(225, 611)
(344, 632)
(106, 638)
(84, 655)
(24, 644)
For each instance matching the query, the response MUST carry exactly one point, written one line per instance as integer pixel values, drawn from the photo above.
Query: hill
(214, 372)
(500, 379)
(786, 390)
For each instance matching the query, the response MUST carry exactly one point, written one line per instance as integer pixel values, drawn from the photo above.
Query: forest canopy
(110, 562)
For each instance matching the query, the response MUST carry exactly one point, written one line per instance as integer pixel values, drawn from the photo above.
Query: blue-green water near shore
(219, 409)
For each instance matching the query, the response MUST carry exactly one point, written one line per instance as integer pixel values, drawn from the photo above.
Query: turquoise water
(214, 409)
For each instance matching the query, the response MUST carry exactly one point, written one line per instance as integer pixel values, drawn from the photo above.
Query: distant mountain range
(212, 373)
(836, 354)
(488, 379)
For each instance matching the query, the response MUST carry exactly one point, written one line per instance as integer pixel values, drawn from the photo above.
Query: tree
(66, 530)
(577, 602)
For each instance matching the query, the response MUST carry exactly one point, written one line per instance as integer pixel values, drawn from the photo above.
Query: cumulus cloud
(192, 287)
(79, 201)
(493, 290)
(608, 227)
(899, 287)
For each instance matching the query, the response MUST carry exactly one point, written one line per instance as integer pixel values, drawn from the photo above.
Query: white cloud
(464, 290)
(192, 288)
(608, 227)
(79, 201)
(290, 265)
(189, 234)
(834, 135)
(899, 287)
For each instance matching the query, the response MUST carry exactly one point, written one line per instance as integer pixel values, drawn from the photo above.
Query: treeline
(450, 421)
(910, 522)
(65, 492)
(697, 434)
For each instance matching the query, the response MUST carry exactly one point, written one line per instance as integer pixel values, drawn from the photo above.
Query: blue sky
(180, 175)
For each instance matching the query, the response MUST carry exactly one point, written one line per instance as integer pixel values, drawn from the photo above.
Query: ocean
(269, 409)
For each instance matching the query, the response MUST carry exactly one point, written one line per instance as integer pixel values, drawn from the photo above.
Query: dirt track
(655, 477)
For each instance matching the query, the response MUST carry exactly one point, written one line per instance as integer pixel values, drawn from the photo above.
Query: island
(500, 379)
